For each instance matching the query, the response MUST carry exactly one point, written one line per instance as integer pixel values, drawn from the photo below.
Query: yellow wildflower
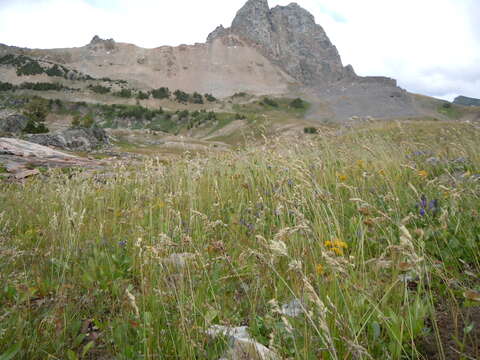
(361, 164)
(381, 172)
(328, 243)
(340, 244)
(320, 269)
(422, 173)
(337, 251)
(342, 177)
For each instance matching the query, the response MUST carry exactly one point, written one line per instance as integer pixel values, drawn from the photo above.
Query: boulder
(19, 156)
(12, 122)
(242, 345)
(83, 139)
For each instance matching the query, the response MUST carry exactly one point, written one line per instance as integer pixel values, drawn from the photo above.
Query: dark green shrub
(37, 110)
(30, 68)
(41, 86)
(34, 127)
(142, 96)
(197, 98)
(183, 114)
(99, 89)
(310, 130)
(55, 71)
(211, 116)
(124, 93)
(298, 104)
(210, 97)
(8, 59)
(181, 96)
(87, 121)
(447, 105)
(239, 94)
(76, 121)
(4, 86)
(269, 102)
(161, 93)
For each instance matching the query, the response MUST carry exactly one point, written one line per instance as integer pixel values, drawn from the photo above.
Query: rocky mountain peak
(290, 38)
(97, 41)
(253, 21)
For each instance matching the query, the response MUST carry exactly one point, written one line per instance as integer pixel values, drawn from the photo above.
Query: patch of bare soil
(458, 334)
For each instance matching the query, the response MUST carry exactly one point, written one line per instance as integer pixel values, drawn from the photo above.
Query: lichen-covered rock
(242, 345)
(12, 122)
(73, 139)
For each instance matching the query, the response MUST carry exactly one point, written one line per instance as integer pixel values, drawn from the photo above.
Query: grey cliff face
(290, 38)
(73, 139)
(253, 22)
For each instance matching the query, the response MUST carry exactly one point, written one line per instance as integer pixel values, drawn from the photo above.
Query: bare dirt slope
(223, 67)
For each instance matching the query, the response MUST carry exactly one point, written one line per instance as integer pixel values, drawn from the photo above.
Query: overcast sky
(431, 46)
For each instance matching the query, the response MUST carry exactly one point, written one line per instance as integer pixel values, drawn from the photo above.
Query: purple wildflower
(426, 206)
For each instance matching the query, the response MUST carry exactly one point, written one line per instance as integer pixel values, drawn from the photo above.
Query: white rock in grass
(293, 309)
(242, 346)
(248, 349)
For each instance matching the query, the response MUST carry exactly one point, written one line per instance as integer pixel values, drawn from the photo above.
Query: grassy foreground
(375, 231)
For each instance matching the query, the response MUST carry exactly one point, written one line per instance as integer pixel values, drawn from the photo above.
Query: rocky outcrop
(466, 101)
(73, 139)
(290, 38)
(21, 158)
(12, 122)
(219, 32)
(98, 42)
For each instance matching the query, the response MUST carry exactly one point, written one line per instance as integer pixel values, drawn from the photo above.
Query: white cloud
(430, 46)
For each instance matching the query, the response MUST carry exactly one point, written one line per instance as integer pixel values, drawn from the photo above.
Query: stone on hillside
(243, 349)
(73, 139)
(18, 157)
(12, 122)
(242, 345)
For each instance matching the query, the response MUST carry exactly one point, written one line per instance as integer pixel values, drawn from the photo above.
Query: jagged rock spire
(253, 22)
(289, 37)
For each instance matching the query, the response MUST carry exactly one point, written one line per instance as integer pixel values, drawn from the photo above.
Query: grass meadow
(374, 231)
